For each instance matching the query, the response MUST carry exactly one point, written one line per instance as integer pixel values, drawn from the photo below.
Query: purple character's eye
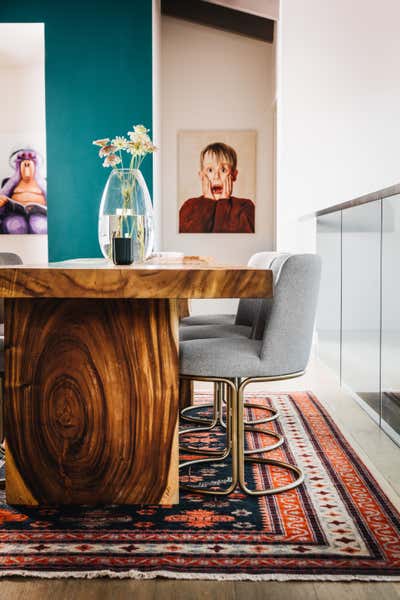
(26, 156)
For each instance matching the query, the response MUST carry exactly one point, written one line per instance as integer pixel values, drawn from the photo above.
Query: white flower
(150, 147)
(108, 149)
(102, 142)
(140, 129)
(120, 142)
(138, 144)
(136, 148)
(111, 160)
(139, 135)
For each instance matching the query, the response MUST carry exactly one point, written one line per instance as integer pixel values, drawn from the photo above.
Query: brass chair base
(216, 452)
(237, 481)
(217, 420)
(234, 448)
(186, 416)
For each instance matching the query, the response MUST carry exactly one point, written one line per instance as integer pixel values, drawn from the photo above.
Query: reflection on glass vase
(126, 211)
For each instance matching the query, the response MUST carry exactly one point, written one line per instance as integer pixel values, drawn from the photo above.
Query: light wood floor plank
(356, 590)
(110, 589)
(114, 589)
(23, 588)
(195, 590)
(275, 590)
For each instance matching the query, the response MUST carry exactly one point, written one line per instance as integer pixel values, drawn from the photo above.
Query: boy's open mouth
(217, 189)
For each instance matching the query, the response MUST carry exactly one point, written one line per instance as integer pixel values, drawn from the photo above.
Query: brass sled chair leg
(234, 448)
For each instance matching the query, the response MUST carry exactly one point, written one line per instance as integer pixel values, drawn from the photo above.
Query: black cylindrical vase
(122, 250)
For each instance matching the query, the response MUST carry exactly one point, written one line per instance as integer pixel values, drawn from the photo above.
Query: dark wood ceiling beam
(220, 17)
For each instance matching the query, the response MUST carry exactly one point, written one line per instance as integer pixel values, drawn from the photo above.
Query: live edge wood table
(92, 373)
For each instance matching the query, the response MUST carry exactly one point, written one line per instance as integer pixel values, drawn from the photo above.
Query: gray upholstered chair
(249, 322)
(282, 353)
(6, 258)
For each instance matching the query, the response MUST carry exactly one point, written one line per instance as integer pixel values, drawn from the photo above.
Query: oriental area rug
(339, 525)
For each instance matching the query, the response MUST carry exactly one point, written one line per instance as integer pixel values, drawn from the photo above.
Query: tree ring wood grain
(91, 401)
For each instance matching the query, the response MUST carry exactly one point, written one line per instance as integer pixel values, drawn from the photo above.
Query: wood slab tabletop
(98, 278)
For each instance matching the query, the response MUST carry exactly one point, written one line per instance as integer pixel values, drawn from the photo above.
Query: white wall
(216, 80)
(22, 111)
(338, 107)
(213, 79)
(156, 132)
(31, 248)
(22, 115)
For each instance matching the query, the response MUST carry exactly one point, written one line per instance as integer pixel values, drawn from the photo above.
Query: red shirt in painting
(229, 215)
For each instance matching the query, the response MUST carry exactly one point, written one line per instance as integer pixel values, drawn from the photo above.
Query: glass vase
(126, 211)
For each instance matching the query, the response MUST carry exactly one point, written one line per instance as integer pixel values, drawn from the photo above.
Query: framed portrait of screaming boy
(217, 181)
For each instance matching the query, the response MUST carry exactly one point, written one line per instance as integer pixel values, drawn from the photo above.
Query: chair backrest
(248, 308)
(288, 333)
(253, 312)
(10, 258)
(276, 264)
(7, 258)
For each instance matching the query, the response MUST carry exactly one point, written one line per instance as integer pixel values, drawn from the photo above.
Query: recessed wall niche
(23, 128)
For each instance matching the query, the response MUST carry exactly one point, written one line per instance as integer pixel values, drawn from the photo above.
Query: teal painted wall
(98, 84)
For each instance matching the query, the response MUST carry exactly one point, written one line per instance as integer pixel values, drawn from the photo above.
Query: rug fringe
(134, 574)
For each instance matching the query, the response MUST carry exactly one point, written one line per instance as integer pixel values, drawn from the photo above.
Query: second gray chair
(244, 322)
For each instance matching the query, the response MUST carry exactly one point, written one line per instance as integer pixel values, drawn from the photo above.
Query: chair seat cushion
(208, 320)
(198, 332)
(225, 357)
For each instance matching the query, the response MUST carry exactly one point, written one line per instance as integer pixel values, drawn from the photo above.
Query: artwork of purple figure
(23, 207)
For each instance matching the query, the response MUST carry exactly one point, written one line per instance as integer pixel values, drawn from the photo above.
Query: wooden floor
(376, 449)
(105, 589)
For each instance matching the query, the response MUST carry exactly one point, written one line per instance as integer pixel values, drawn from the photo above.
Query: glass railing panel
(391, 314)
(361, 240)
(328, 315)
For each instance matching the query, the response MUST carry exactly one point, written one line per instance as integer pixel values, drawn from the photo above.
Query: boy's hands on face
(206, 186)
(227, 186)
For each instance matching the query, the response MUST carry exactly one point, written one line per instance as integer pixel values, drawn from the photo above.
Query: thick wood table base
(91, 375)
(91, 401)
